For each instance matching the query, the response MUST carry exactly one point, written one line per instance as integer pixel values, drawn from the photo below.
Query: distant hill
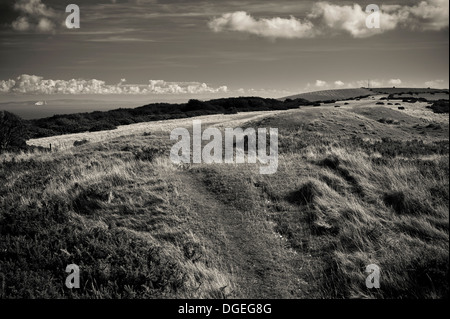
(109, 120)
(392, 90)
(345, 94)
(340, 94)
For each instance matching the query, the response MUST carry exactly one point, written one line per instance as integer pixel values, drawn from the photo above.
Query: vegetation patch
(440, 107)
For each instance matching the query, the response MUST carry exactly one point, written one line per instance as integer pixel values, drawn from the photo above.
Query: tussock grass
(141, 227)
(114, 216)
(397, 210)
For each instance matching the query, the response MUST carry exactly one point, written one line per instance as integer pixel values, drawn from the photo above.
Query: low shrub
(305, 194)
(148, 154)
(80, 142)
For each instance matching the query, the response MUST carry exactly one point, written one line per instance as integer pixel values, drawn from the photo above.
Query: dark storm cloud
(28, 16)
(7, 13)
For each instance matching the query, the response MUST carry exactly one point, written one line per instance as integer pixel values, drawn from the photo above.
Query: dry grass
(142, 227)
(64, 142)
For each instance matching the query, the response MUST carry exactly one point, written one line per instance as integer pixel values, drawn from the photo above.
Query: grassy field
(427, 96)
(341, 94)
(411, 91)
(356, 185)
(346, 94)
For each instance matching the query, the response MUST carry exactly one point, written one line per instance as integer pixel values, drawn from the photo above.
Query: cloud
(336, 18)
(436, 84)
(331, 19)
(395, 82)
(34, 16)
(241, 21)
(32, 84)
(324, 85)
(263, 92)
(429, 15)
(163, 87)
(321, 84)
(351, 19)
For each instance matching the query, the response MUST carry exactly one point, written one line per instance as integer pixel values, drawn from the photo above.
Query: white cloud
(436, 84)
(395, 82)
(21, 24)
(374, 83)
(429, 15)
(34, 16)
(264, 92)
(321, 84)
(336, 18)
(38, 85)
(241, 21)
(329, 19)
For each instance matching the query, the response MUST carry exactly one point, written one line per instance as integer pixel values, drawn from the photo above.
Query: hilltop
(339, 94)
(346, 94)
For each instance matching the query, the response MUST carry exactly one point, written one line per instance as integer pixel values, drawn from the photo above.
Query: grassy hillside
(110, 120)
(351, 190)
(345, 94)
(337, 95)
(411, 91)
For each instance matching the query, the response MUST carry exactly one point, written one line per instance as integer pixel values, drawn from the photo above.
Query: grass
(114, 217)
(351, 212)
(141, 227)
(341, 94)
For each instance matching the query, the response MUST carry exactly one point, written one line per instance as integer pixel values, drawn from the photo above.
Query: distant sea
(25, 105)
(28, 109)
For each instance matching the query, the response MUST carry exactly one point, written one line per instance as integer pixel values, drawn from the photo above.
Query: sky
(219, 48)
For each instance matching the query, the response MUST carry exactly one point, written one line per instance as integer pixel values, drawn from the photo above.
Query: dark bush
(102, 126)
(388, 121)
(90, 198)
(403, 204)
(440, 106)
(434, 126)
(148, 154)
(80, 142)
(12, 135)
(305, 194)
(332, 162)
(231, 110)
(99, 121)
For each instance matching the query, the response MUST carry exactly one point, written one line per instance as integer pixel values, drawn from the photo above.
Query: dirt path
(262, 266)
